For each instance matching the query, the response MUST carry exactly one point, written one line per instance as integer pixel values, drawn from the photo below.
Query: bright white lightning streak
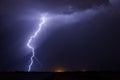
(43, 19)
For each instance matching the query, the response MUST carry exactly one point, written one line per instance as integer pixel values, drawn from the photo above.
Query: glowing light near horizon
(43, 20)
(60, 69)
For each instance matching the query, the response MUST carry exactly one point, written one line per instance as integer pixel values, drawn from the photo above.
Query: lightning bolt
(43, 20)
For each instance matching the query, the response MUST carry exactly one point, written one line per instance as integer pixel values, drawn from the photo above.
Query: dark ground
(59, 76)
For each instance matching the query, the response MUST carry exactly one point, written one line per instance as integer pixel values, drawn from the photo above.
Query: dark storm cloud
(14, 10)
(92, 43)
(12, 6)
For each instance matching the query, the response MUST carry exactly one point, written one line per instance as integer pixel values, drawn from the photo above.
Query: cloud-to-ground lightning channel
(43, 19)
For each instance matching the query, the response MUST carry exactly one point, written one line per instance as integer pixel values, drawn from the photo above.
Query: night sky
(81, 34)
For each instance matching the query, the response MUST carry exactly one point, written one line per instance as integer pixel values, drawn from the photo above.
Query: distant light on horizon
(60, 69)
(83, 70)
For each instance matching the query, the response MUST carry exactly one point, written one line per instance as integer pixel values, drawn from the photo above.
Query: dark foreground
(59, 76)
